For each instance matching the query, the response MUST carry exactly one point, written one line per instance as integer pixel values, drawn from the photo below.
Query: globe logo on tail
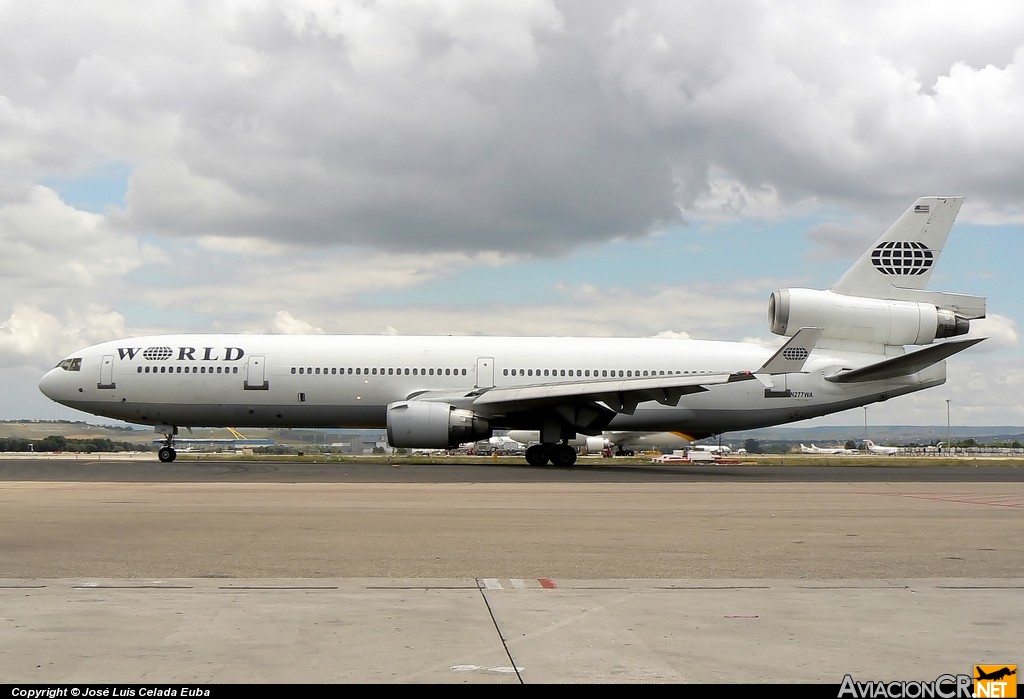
(902, 257)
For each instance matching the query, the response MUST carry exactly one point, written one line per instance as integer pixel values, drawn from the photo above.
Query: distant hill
(39, 429)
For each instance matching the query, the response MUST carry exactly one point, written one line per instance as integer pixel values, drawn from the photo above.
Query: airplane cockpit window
(73, 364)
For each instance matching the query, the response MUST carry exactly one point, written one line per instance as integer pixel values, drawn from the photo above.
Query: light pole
(949, 445)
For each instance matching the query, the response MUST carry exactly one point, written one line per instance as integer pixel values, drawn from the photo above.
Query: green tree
(54, 442)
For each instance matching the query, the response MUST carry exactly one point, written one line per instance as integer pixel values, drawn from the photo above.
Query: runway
(252, 572)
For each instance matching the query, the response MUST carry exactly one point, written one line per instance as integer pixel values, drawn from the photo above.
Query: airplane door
(107, 372)
(779, 388)
(256, 376)
(484, 372)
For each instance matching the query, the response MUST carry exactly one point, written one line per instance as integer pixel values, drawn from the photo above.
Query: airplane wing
(619, 395)
(589, 406)
(905, 364)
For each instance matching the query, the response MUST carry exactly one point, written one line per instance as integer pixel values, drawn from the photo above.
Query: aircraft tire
(167, 454)
(563, 455)
(537, 455)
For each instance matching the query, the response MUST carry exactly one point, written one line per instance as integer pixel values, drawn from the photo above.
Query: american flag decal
(921, 209)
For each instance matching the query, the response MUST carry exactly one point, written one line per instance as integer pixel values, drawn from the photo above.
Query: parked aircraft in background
(876, 449)
(712, 448)
(620, 442)
(825, 450)
(498, 444)
(846, 348)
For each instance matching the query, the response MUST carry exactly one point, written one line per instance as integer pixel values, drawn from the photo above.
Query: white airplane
(824, 450)
(846, 347)
(876, 449)
(498, 444)
(711, 448)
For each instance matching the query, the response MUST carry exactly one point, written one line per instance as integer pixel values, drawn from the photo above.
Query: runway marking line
(1010, 501)
(517, 583)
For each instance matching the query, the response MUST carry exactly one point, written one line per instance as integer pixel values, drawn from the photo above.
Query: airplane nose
(50, 384)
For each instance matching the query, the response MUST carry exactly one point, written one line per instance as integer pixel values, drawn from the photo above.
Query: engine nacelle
(878, 321)
(431, 425)
(595, 444)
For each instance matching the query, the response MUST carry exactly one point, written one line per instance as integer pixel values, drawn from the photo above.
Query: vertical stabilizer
(903, 258)
(882, 299)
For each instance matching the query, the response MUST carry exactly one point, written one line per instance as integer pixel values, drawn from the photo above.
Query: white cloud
(527, 126)
(286, 324)
(53, 248)
(1000, 333)
(27, 333)
(35, 338)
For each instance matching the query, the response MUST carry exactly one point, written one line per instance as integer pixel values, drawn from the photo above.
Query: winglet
(791, 357)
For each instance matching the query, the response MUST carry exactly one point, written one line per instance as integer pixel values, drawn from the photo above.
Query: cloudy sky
(597, 168)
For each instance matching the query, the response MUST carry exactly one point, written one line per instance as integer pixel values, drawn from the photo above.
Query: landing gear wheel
(563, 455)
(167, 454)
(537, 455)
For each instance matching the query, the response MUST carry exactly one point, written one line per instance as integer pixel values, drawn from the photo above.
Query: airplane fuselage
(349, 381)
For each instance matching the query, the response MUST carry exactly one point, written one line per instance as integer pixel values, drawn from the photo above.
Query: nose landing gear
(167, 453)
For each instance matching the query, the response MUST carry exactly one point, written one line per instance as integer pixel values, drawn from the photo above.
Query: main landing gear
(555, 454)
(167, 453)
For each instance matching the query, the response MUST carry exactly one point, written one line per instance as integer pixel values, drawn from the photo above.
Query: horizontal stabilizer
(792, 356)
(965, 306)
(909, 363)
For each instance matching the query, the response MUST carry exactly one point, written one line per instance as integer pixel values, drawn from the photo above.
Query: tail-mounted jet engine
(433, 425)
(861, 319)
